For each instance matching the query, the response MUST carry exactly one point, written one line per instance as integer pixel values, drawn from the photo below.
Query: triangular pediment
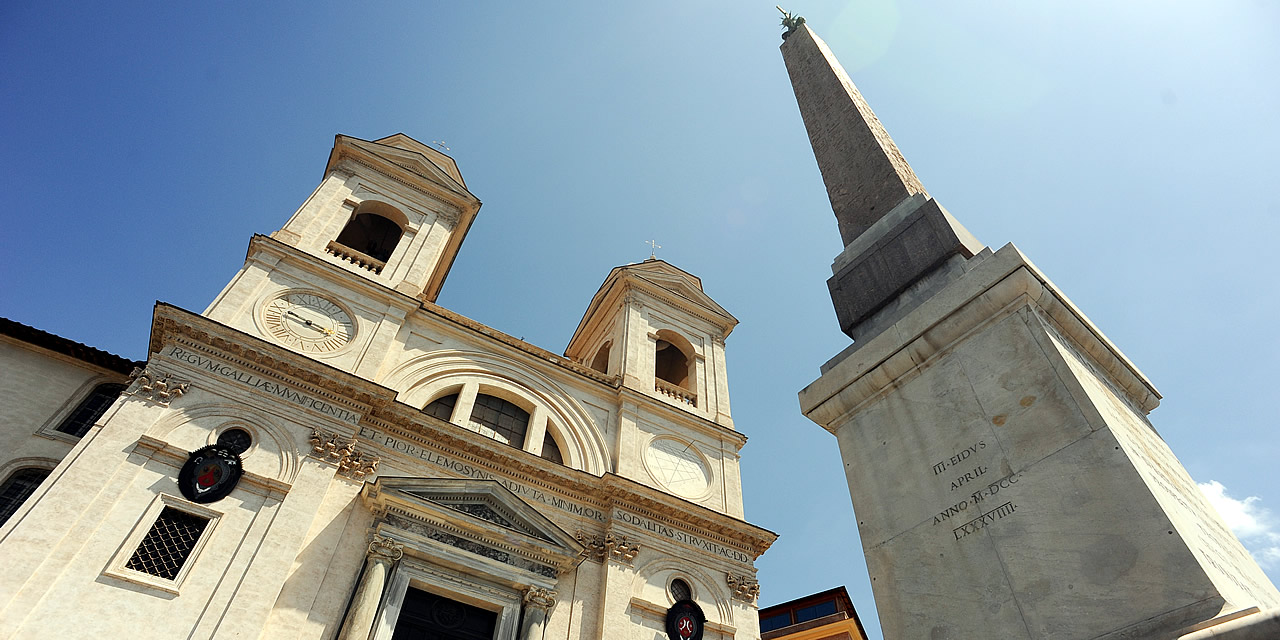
(656, 278)
(435, 156)
(412, 159)
(483, 507)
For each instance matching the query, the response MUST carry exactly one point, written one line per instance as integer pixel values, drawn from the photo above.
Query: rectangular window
(776, 621)
(168, 544)
(813, 612)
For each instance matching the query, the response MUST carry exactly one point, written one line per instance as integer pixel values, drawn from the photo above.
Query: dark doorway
(427, 616)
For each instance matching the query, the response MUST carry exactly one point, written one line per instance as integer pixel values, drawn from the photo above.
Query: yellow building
(828, 615)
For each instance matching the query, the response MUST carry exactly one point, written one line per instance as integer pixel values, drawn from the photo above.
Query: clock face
(678, 467)
(308, 322)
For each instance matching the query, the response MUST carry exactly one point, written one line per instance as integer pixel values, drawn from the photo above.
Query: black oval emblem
(685, 621)
(209, 474)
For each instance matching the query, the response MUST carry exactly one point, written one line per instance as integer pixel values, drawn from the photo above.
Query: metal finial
(653, 248)
(439, 144)
(791, 22)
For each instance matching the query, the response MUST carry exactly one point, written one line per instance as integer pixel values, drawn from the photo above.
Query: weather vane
(440, 145)
(653, 248)
(789, 21)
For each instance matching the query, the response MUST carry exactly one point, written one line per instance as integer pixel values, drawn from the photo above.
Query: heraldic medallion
(209, 474)
(685, 621)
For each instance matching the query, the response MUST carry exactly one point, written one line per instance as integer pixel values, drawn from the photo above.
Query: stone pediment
(413, 161)
(481, 517)
(482, 505)
(659, 279)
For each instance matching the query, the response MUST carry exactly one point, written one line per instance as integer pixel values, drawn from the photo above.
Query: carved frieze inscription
(462, 468)
(254, 381)
(969, 469)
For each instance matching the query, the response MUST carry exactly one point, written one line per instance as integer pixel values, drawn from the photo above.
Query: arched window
(671, 364)
(17, 488)
(496, 418)
(90, 409)
(442, 407)
(601, 361)
(372, 235)
(551, 450)
(500, 420)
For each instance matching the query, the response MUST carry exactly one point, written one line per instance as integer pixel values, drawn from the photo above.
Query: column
(537, 603)
(383, 552)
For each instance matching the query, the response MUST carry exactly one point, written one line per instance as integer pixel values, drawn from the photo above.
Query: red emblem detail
(209, 475)
(685, 626)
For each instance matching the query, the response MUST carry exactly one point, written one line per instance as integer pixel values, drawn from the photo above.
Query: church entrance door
(427, 616)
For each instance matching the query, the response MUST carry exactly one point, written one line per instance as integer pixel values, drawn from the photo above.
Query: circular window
(237, 440)
(680, 590)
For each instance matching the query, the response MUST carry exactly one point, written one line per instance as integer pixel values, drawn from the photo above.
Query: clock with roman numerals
(308, 322)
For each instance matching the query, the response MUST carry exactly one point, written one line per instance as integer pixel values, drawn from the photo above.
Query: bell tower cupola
(652, 325)
(393, 210)
(372, 243)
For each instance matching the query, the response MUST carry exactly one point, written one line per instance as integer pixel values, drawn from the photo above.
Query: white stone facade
(352, 497)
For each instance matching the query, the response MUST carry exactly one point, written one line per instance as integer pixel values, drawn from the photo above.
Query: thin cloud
(1254, 524)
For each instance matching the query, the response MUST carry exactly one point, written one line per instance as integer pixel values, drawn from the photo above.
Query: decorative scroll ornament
(620, 549)
(382, 547)
(341, 450)
(745, 588)
(610, 546)
(358, 465)
(593, 546)
(160, 388)
(539, 598)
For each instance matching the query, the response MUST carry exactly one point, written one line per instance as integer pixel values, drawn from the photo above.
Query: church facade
(324, 452)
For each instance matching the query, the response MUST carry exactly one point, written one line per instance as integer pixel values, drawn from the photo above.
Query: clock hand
(311, 324)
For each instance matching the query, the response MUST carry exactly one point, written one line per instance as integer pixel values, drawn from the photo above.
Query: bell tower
(373, 241)
(652, 325)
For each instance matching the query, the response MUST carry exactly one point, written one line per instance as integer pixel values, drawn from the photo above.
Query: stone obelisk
(1004, 475)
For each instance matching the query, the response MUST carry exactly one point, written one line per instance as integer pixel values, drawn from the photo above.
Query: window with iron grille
(17, 488)
(90, 409)
(500, 420)
(168, 544)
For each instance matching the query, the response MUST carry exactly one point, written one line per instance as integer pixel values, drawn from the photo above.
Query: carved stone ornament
(539, 598)
(341, 450)
(745, 588)
(160, 388)
(593, 546)
(382, 547)
(620, 549)
(481, 549)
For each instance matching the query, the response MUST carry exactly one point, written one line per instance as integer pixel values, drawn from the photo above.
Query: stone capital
(539, 598)
(384, 548)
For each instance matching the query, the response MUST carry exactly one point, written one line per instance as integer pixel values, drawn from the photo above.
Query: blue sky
(1128, 150)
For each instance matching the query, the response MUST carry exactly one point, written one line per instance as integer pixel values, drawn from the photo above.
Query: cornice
(173, 322)
(1003, 281)
(500, 459)
(601, 492)
(520, 345)
(316, 264)
(448, 211)
(677, 414)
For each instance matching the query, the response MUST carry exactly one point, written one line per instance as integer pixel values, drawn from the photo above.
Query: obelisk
(1004, 475)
